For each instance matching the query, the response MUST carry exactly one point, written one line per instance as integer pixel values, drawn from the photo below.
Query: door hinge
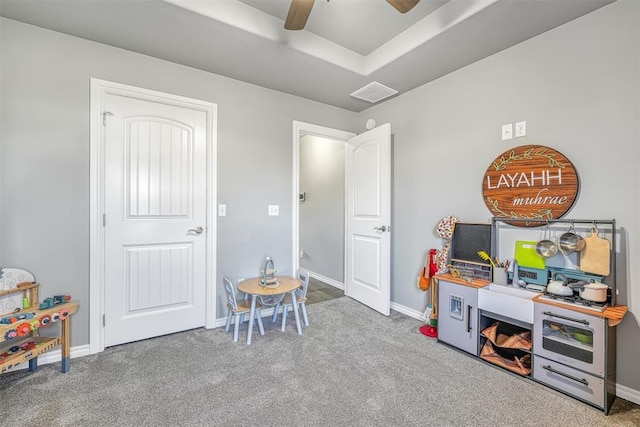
(104, 220)
(104, 117)
(104, 320)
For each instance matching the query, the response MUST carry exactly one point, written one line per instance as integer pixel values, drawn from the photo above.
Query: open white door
(368, 210)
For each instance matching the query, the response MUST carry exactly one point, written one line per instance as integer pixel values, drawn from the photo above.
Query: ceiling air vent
(374, 92)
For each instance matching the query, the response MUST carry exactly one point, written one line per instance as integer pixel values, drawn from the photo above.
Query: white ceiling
(346, 44)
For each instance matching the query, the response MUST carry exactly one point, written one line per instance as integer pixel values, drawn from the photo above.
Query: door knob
(197, 230)
(383, 228)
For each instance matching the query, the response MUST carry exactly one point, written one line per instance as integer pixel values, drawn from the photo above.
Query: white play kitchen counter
(570, 349)
(508, 301)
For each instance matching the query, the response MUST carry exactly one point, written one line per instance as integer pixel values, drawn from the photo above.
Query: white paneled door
(368, 235)
(155, 219)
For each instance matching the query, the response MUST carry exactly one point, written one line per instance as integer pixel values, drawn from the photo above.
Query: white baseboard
(407, 311)
(54, 356)
(326, 280)
(628, 394)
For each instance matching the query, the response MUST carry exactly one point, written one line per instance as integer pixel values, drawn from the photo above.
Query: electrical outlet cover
(507, 132)
(521, 129)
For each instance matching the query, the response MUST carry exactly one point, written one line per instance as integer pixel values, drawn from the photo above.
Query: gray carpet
(351, 367)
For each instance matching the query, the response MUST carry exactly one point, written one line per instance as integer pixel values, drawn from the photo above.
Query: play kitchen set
(551, 318)
(20, 340)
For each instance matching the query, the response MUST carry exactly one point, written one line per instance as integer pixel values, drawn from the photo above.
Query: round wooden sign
(530, 182)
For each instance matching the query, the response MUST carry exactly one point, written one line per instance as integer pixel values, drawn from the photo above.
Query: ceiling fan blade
(298, 14)
(403, 6)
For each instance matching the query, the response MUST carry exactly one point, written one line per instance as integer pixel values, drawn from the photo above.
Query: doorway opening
(367, 212)
(367, 219)
(319, 291)
(318, 207)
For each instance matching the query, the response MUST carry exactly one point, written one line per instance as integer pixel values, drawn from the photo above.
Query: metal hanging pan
(546, 247)
(571, 242)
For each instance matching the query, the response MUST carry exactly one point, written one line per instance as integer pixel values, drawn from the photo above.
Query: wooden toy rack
(19, 333)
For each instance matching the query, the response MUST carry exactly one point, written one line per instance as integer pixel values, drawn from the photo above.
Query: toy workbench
(19, 330)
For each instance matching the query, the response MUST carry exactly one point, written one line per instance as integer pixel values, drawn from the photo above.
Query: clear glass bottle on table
(268, 272)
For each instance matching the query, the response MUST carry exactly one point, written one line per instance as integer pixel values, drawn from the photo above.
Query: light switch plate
(222, 210)
(274, 210)
(507, 132)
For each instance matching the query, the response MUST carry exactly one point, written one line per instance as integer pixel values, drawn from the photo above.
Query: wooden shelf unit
(42, 344)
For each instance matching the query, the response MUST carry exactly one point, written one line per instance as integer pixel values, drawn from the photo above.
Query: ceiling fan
(300, 9)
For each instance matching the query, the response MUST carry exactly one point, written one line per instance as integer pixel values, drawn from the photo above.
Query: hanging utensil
(546, 247)
(571, 241)
(596, 256)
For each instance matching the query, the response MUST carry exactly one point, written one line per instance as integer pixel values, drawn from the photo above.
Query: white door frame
(99, 90)
(301, 129)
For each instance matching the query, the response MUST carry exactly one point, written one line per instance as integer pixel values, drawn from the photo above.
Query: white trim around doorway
(301, 129)
(99, 90)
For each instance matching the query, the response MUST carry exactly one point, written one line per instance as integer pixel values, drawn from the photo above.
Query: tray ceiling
(346, 45)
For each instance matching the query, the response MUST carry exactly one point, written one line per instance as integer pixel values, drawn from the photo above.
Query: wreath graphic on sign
(528, 154)
(499, 213)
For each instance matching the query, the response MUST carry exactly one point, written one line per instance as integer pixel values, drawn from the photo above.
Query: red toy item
(23, 329)
(428, 330)
(429, 270)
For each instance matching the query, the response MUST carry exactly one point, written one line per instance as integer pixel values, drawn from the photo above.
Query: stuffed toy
(445, 230)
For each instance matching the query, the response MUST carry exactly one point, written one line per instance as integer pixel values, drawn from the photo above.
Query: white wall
(45, 151)
(578, 88)
(322, 213)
